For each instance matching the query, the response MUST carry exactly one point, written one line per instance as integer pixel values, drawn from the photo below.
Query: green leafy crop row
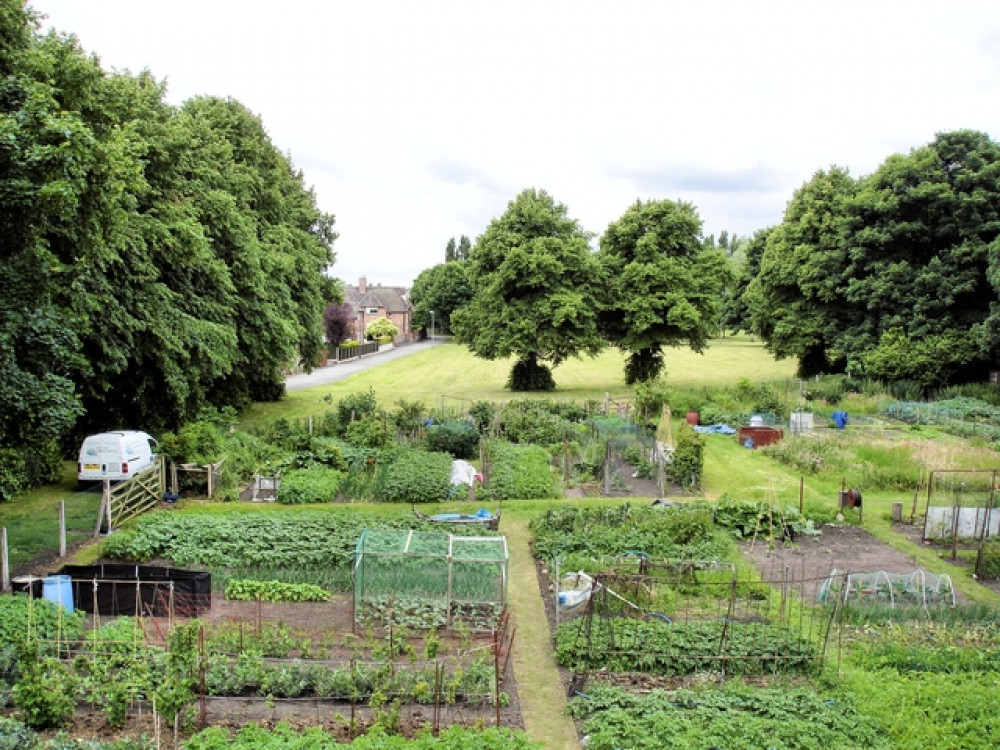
(275, 591)
(680, 648)
(677, 532)
(734, 716)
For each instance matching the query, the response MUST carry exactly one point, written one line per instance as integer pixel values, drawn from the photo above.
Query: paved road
(344, 370)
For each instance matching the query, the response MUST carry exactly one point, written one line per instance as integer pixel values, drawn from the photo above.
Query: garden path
(540, 689)
(333, 373)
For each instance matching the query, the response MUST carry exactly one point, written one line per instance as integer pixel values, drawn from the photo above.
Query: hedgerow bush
(482, 413)
(356, 406)
(415, 477)
(988, 560)
(246, 454)
(371, 431)
(313, 485)
(521, 472)
(195, 442)
(460, 439)
(688, 462)
(830, 389)
(530, 375)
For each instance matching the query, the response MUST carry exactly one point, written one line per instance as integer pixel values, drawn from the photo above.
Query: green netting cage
(426, 580)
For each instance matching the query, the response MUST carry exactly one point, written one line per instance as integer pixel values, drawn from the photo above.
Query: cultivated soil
(810, 560)
(629, 485)
(330, 625)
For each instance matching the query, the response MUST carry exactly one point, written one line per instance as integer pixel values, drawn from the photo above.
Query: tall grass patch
(863, 460)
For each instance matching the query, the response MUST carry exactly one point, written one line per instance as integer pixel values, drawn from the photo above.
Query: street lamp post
(432, 325)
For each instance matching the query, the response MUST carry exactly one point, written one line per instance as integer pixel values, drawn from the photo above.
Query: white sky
(419, 120)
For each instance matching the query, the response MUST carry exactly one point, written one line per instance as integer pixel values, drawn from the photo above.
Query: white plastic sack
(462, 472)
(575, 589)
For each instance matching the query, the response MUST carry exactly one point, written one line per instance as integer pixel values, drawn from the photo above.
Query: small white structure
(971, 523)
(800, 421)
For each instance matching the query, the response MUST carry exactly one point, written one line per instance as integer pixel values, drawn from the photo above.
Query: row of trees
(154, 260)
(532, 288)
(894, 276)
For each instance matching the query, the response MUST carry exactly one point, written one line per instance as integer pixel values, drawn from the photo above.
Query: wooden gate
(130, 498)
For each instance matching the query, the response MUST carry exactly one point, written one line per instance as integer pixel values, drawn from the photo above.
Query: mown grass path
(543, 700)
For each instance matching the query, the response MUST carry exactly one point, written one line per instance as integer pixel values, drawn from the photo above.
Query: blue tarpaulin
(840, 419)
(480, 515)
(717, 429)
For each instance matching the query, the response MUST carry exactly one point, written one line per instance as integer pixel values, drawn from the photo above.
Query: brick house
(376, 301)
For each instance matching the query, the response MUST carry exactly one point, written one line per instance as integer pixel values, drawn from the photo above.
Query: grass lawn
(448, 375)
(32, 520)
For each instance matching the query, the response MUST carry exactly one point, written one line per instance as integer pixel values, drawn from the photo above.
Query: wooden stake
(4, 561)
(62, 528)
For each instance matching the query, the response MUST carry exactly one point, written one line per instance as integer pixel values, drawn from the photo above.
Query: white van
(115, 455)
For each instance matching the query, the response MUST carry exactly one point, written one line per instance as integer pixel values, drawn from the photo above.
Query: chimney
(363, 285)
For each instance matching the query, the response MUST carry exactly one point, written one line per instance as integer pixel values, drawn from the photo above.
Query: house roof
(393, 299)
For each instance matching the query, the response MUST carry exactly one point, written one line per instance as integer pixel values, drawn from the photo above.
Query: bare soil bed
(628, 486)
(810, 560)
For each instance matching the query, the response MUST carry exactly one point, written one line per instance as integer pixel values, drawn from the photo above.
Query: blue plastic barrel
(59, 589)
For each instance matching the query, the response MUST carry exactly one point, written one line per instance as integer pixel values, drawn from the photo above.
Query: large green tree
(860, 271)
(735, 314)
(266, 228)
(45, 158)
(663, 284)
(443, 288)
(154, 260)
(796, 301)
(919, 258)
(536, 291)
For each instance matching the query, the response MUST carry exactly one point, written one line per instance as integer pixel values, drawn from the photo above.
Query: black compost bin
(116, 589)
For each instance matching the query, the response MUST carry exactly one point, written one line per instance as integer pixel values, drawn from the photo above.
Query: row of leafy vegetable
(16, 735)
(306, 546)
(682, 531)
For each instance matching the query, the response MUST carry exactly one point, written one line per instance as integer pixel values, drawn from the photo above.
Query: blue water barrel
(59, 589)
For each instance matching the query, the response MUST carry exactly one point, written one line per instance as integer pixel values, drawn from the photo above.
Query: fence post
(104, 509)
(62, 528)
(106, 501)
(607, 467)
(4, 562)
